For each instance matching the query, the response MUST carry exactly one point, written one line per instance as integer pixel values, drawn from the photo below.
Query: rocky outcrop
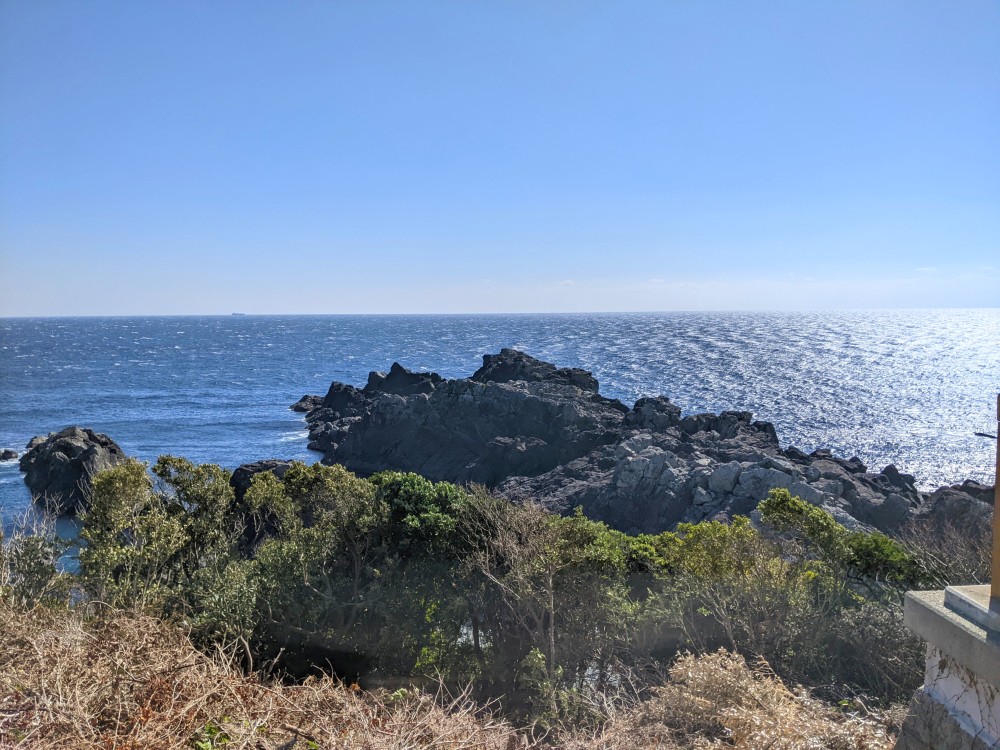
(307, 403)
(516, 415)
(537, 432)
(982, 492)
(58, 467)
(508, 408)
(7, 454)
(653, 479)
(511, 364)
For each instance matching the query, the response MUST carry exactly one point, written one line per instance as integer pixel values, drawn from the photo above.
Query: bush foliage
(396, 576)
(134, 682)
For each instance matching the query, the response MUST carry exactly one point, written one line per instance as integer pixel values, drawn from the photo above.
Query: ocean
(903, 387)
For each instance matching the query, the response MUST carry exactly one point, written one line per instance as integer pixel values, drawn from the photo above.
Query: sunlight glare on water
(903, 387)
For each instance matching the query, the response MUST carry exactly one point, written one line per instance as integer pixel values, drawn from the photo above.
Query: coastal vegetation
(288, 592)
(136, 682)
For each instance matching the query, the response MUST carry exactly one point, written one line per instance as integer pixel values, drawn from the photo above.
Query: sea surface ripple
(903, 387)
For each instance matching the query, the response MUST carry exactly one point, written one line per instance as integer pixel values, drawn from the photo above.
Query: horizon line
(493, 314)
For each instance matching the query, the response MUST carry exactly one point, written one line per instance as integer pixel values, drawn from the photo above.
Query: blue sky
(333, 157)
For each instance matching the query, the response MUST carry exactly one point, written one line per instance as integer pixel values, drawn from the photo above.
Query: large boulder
(724, 477)
(58, 467)
(951, 507)
(8, 454)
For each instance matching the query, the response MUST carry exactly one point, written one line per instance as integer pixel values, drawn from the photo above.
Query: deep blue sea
(903, 387)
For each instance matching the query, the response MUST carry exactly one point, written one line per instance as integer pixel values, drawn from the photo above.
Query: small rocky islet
(58, 467)
(532, 431)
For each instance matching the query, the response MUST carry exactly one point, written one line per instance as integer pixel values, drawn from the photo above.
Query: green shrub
(870, 560)
(398, 575)
(422, 514)
(133, 538)
(29, 565)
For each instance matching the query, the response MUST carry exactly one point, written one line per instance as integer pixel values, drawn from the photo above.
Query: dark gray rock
(724, 477)
(334, 415)
(511, 364)
(469, 431)
(891, 513)
(401, 382)
(307, 403)
(653, 414)
(768, 431)
(896, 479)
(35, 442)
(7, 454)
(517, 415)
(58, 467)
(984, 493)
(695, 423)
(947, 506)
(757, 481)
(852, 465)
(346, 401)
(810, 493)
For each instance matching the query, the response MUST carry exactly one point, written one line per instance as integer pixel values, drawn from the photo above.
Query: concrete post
(958, 707)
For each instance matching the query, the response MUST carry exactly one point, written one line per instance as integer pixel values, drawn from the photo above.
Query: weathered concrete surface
(929, 725)
(970, 645)
(974, 603)
(958, 707)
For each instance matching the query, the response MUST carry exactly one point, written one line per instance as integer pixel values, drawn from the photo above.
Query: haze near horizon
(193, 158)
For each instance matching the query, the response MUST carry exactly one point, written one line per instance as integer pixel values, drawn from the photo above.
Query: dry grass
(718, 700)
(954, 555)
(133, 683)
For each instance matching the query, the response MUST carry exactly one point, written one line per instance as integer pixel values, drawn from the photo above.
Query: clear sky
(175, 156)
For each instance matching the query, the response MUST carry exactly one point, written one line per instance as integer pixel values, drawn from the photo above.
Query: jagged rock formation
(8, 454)
(536, 432)
(58, 467)
(482, 429)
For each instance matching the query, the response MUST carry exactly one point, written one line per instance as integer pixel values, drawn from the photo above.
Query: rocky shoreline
(533, 431)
